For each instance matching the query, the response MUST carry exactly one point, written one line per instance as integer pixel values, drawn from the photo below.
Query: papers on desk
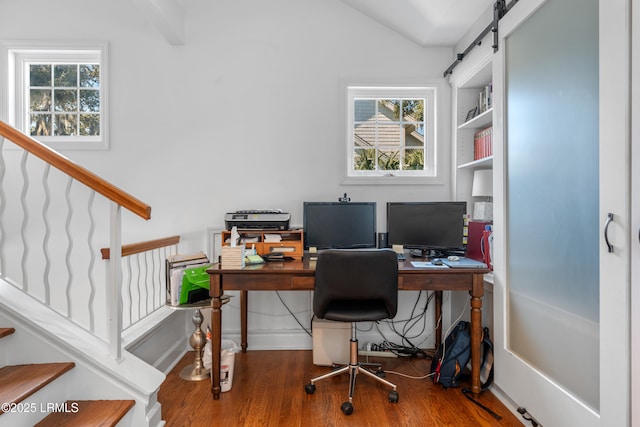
(272, 238)
(427, 264)
(451, 262)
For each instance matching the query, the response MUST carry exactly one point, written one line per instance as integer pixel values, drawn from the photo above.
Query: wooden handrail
(136, 248)
(75, 171)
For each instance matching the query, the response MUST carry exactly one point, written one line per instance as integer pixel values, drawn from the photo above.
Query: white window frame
(430, 174)
(15, 59)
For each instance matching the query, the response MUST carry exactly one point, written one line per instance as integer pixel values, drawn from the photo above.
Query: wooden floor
(268, 390)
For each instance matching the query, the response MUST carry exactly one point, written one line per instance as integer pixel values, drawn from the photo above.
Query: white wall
(248, 113)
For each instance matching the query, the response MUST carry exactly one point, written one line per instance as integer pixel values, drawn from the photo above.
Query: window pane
(364, 109)
(40, 125)
(65, 75)
(65, 100)
(413, 110)
(389, 109)
(413, 159)
(389, 160)
(365, 135)
(40, 100)
(365, 159)
(65, 124)
(413, 135)
(389, 135)
(39, 75)
(90, 75)
(89, 124)
(89, 100)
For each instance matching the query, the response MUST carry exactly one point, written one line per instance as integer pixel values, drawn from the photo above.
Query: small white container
(227, 358)
(330, 342)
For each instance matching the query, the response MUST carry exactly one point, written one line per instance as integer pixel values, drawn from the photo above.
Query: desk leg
(244, 300)
(438, 316)
(216, 333)
(476, 292)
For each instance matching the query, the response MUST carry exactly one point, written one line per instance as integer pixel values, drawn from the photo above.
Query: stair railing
(143, 277)
(38, 239)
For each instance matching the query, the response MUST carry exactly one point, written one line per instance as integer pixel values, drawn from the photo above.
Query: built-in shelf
(485, 161)
(481, 120)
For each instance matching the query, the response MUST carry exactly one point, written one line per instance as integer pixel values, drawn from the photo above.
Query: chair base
(354, 368)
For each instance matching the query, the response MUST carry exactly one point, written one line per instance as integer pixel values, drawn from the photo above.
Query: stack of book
(175, 267)
(483, 143)
(232, 257)
(485, 98)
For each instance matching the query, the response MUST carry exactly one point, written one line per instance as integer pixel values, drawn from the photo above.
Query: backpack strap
(488, 351)
(467, 393)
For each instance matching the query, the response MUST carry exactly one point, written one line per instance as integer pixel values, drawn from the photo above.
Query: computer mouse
(436, 261)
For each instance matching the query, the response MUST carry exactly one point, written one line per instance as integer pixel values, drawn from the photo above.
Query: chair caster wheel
(310, 388)
(393, 396)
(347, 408)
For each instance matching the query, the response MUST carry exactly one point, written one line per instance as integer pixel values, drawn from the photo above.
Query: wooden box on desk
(232, 257)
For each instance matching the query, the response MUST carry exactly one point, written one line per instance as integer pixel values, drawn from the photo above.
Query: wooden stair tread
(94, 413)
(6, 331)
(17, 382)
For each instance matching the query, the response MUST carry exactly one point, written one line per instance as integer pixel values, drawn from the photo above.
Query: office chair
(355, 286)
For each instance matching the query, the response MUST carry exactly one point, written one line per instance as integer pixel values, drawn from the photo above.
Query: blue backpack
(453, 355)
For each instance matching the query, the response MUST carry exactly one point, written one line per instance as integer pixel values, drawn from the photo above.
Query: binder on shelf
(195, 284)
(175, 266)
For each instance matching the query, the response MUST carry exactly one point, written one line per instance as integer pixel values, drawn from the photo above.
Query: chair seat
(356, 311)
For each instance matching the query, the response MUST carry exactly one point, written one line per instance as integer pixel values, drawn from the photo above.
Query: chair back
(356, 285)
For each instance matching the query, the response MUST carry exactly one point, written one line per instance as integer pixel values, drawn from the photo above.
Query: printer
(257, 219)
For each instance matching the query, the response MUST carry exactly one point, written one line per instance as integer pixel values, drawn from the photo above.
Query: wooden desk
(300, 275)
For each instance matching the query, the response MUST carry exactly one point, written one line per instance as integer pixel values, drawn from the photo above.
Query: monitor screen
(335, 225)
(426, 225)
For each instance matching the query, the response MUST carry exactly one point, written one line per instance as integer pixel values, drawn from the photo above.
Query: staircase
(73, 326)
(19, 384)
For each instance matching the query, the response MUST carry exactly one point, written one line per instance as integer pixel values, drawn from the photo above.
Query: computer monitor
(337, 225)
(426, 225)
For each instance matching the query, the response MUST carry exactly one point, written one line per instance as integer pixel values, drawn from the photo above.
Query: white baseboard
(507, 402)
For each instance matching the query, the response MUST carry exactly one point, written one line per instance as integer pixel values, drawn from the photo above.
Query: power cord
(292, 314)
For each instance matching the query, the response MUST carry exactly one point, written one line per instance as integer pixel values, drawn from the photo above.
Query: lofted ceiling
(425, 22)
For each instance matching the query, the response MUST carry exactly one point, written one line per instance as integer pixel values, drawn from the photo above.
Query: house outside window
(57, 94)
(391, 131)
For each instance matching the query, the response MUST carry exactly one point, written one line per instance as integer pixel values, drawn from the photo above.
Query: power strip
(372, 353)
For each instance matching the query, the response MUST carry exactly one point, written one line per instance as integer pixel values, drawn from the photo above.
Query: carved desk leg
(244, 301)
(476, 292)
(216, 333)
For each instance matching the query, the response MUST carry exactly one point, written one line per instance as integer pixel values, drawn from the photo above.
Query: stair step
(17, 382)
(6, 331)
(94, 413)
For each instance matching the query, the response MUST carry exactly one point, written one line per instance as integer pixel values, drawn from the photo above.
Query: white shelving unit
(467, 83)
(467, 80)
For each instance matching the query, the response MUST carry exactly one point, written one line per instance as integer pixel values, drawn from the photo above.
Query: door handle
(606, 232)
